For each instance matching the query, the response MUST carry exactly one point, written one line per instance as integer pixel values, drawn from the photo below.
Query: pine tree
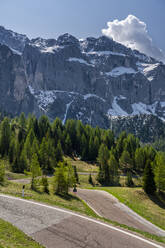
(90, 180)
(35, 171)
(159, 171)
(44, 156)
(12, 150)
(126, 162)
(63, 178)
(76, 174)
(148, 179)
(68, 145)
(59, 152)
(140, 159)
(2, 173)
(129, 181)
(103, 156)
(113, 170)
(22, 121)
(5, 136)
(45, 184)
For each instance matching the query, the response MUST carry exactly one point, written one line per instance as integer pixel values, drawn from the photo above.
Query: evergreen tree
(76, 174)
(35, 171)
(45, 184)
(126, 162)
(5, 136)
(59, 152)
(103, 156)
(63, 178)
(140, 159)
(120, 144)
(23, 164)
(129, 181)
(43, 125)
(22, 121)
(113, 170)
(90, 180)
(2, 173)
(68, 145)
(12, 150)
(148, 179)
(159, 171)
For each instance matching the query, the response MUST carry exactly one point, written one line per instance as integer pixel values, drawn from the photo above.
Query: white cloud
(133, 33)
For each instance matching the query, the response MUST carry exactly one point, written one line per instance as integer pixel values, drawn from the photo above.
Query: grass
(11, 237)
(151, 208)
(13, 176)
(82, 166)
(71, 202)
(83, 179)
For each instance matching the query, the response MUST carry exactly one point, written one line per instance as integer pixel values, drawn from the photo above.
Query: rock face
(91, 80)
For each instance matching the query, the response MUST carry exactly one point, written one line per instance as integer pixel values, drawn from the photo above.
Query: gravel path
(109, 207)
(54, 227)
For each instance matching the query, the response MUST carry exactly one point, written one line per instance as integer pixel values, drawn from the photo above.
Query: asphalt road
(58, 228)
(105, 205)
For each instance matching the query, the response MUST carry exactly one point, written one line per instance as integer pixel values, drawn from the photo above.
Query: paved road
(54, 227)
(109, 207)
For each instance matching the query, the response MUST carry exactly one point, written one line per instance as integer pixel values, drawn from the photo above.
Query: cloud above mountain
(133, 33)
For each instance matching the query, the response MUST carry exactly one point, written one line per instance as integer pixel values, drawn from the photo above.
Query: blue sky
(51, 18)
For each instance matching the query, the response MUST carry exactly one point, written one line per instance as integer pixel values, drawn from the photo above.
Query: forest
(38, 147)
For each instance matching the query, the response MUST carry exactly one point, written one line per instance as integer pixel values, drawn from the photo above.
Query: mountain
(148, 128)
(92, 79)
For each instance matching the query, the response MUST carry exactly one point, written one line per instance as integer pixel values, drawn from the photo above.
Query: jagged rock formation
(91, 79)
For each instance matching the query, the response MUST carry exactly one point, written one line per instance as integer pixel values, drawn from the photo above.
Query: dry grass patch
(82, 166)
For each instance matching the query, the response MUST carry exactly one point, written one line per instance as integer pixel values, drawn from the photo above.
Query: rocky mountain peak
(67, 40)
(12, 39)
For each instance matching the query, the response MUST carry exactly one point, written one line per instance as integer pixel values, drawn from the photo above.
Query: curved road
(107, 206)
(55, 227)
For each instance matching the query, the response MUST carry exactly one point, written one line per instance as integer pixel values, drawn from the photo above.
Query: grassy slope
(71, 202)
(151, 208)
(82, 166)
(11, 237)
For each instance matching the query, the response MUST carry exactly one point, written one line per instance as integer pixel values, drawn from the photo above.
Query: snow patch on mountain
(93, 95)
(44, 98)
(118, 71)
(141, 108)
(79, 60)
(145, 68)
(52, 49)
(116, 110)
(138, 108)
(67, 108)
(104, 53)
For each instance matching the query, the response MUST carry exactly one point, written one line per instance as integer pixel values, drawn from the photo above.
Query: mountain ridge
(90, 79)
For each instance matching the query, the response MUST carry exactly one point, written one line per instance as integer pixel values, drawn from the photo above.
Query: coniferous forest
(38, 146)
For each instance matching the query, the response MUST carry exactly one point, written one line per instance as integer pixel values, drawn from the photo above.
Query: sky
(84, 18)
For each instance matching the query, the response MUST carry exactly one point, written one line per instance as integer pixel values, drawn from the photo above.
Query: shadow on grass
(158, 199)
(68, 197)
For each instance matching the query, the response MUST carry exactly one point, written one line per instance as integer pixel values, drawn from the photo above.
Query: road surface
(59, 228)
(105, 205)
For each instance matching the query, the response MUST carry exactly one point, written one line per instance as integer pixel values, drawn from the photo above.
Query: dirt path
(109, 207)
